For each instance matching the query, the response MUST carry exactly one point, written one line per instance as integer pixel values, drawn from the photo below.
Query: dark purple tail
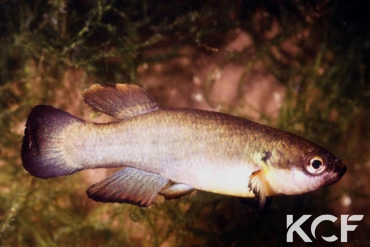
(42, 153)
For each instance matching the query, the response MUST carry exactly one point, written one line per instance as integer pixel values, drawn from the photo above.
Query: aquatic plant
(315, 52)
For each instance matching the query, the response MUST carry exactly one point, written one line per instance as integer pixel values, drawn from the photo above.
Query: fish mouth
(339, 170)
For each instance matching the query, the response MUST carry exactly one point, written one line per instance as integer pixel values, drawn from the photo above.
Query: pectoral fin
(176, 191)
(259, 187)
(121, 101)
(129, 185)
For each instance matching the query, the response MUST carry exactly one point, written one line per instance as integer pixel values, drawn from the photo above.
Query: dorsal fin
(121, 101)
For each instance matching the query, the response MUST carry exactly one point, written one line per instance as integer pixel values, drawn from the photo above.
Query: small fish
(171, 152)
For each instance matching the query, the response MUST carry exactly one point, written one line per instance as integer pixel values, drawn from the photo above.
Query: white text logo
(344, 227)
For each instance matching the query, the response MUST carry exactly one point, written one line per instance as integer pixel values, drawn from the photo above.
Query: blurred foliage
(327, 100)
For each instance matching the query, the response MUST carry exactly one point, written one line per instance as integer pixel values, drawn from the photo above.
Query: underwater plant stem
(16, 205)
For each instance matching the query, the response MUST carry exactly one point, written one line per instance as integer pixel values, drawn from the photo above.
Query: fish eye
(316, 165)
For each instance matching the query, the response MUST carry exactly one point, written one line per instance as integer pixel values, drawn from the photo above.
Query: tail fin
(42, 153)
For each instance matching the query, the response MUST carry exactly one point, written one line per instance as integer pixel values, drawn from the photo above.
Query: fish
(171, 151)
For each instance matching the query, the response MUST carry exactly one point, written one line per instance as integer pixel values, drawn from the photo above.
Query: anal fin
(129, 185)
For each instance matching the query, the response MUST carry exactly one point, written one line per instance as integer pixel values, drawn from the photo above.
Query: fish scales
(200, 141)
(171, 152)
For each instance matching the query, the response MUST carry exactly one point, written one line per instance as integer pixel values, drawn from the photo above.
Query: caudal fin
(42, 149)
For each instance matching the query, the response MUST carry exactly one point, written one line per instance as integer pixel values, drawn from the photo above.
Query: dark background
(302, 66)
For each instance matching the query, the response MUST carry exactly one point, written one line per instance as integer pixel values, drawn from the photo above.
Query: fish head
(325, 167)
(303, 166)
(306, 170)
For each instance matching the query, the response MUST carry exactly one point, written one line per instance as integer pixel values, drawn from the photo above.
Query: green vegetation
(50, 50)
